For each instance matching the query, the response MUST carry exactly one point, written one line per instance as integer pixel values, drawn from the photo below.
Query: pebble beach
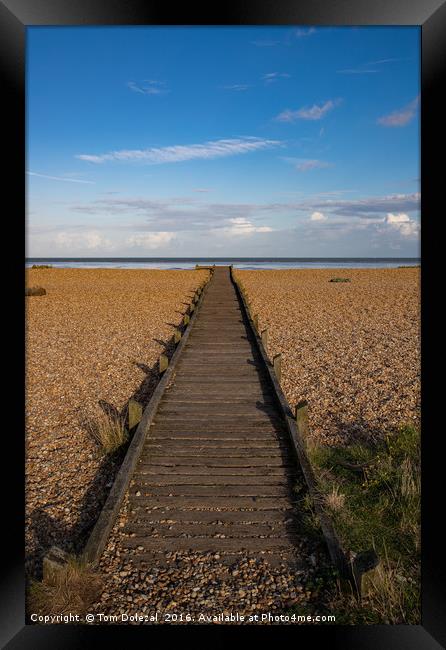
(350, 349)
(92, 342)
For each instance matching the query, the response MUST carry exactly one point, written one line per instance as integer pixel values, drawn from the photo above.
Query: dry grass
(72, 589)
(335, 500)
(109, 432)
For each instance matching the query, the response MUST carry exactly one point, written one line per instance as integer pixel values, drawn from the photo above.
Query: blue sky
(253, 141)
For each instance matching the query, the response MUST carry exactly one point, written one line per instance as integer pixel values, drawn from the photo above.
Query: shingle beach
(94, 339)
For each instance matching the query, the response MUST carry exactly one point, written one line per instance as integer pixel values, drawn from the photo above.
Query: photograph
(222, 325)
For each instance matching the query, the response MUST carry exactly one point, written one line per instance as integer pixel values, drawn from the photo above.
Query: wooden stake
(135, 413)
(163, 362)
(277, 363)
(264, 337)
(255, 320)
(302, 419)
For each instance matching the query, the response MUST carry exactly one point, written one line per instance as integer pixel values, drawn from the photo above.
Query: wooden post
(53, 562)
(163, 362)
(302, 419)
(177, 335)
(255, 320)
(264, 337)
(186, 319)
(277, 363)
(135, 413)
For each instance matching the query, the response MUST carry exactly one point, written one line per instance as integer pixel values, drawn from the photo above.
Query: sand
(352, 350)
(92, 342)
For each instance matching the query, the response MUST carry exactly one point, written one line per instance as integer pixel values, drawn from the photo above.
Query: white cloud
(151, 239)
(240, 226)
(179, 153)
(401, 222)
(61, 178)
(400, 117)
(318, 216)
(91, 240)
(315, 112)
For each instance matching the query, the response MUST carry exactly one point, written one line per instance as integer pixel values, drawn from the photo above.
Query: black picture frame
(430, 15)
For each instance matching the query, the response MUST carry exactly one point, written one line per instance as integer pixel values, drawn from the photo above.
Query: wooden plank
(208, 543)
(216, 453)
(142, 478)
(151, 469)
(254, 491)
(228, 503)
(215, 462)
(192, 445)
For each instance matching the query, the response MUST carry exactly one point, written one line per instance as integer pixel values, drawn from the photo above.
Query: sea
(253, 263)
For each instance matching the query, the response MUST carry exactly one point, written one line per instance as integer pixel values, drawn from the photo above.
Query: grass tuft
(340, 280)
(72, 589)
(109, 432)
(42, 266)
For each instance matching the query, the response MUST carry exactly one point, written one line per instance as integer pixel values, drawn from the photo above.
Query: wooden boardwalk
(216, 472)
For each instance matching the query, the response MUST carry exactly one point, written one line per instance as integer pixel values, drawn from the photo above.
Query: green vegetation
(109, 432)
(35, 291)
(42, 266)
(373, 496)
(71, 589)
(340, 280)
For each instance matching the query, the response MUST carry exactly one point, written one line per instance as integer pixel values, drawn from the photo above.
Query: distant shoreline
(252, 263)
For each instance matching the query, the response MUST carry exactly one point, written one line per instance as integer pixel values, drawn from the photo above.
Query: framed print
(229, 416)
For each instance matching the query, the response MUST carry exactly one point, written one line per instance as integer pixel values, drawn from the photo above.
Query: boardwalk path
(216, 472)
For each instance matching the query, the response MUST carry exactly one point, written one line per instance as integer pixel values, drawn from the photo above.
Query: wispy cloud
(237, 87)
(305, 165)
(402, 116)
(60, 178)
(148, 87)
(202, 189)
(315, 112)
(356, 71)
(302, 32)
(271, 77)
(366, 68)
(180, 153)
